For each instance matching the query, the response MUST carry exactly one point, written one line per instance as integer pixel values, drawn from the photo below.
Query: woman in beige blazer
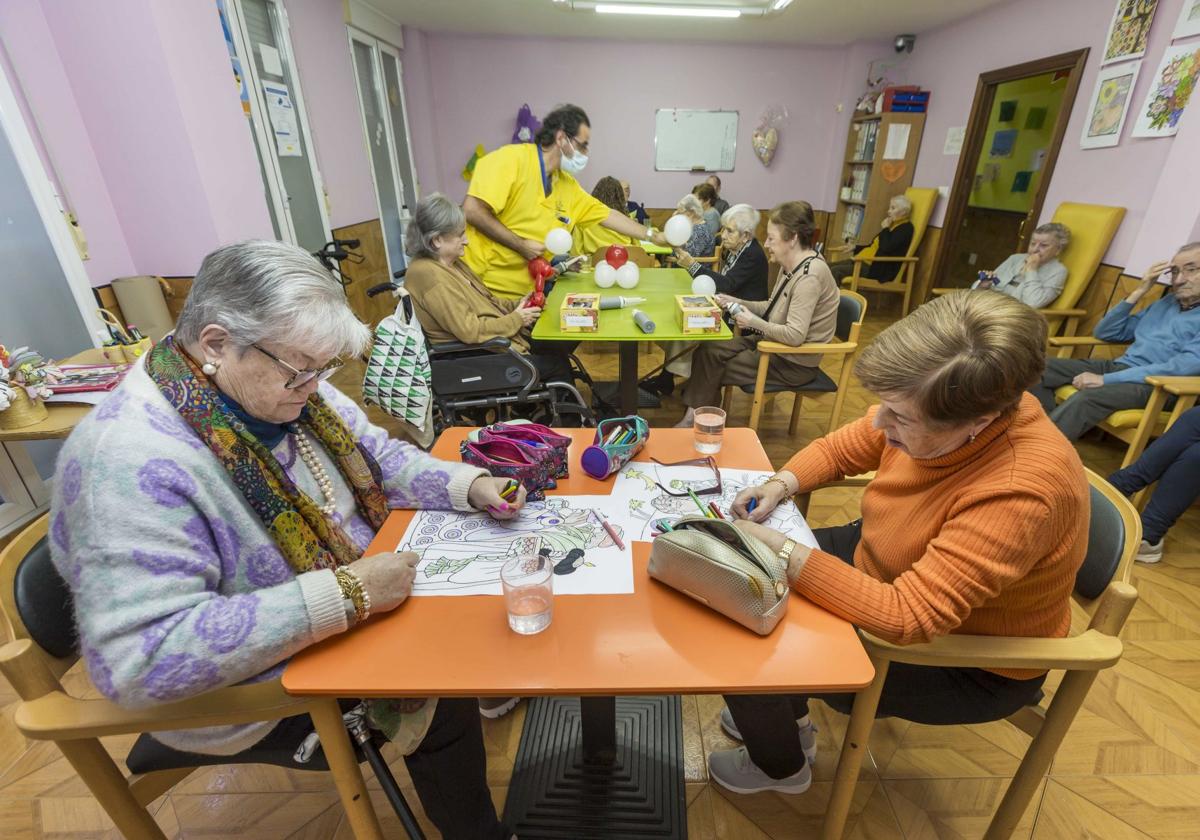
(452, 303)
(801, 309)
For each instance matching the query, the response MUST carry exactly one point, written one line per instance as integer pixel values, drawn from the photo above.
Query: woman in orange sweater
(975, 522)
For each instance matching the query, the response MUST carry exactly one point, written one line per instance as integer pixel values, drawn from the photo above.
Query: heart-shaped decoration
(892, 170)
(764, 143)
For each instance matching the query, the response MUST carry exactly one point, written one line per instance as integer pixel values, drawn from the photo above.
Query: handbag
(723, 568)
(544, 441)
(397, 377)
(508, 460)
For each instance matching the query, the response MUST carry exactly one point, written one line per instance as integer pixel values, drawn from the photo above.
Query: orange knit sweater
(985, 540)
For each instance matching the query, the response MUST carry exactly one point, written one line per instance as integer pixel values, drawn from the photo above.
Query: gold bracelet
(352, 587)
(787, 491)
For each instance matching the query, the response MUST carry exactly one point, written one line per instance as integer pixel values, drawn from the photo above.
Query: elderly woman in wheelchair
(211, 518)
(976, 522)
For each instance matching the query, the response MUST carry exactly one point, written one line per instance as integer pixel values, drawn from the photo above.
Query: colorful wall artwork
(1129, 30)
(1110, 105)
(1174, 83)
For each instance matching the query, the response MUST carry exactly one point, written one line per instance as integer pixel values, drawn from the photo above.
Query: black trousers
(1086, 408)
(1174, 462)
(448, 769)
(919, 693)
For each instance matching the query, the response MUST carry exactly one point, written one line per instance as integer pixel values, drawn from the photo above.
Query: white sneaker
(1150, 552)
(733, 770)
(808, 733)
(497, 707)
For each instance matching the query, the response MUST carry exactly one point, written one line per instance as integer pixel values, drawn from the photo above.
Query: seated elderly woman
(893, 240)
(212, 514)
(743, 269)
(708, 200)
(591, 238)
(1035, 277)
(452, 303)
(803, 308)
(702, 241)
(975, 522)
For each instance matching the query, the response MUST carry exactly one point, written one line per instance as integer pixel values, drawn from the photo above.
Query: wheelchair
(479, 384)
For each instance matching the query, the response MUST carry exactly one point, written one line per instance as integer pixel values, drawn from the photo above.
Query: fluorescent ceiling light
(667, 11)
(780, 5)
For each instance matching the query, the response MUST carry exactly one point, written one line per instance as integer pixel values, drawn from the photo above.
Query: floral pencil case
(542, 440)
(508, 460)
(617, 441)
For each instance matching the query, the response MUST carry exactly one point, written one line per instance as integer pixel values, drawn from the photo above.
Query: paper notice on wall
(1037, 160)
(954, 139)
(283, 118)
(269, 60)
(896, 145)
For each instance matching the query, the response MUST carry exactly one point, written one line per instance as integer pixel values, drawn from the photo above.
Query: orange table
(655, 641)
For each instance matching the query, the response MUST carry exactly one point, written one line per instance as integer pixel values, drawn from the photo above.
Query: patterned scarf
(304, 536)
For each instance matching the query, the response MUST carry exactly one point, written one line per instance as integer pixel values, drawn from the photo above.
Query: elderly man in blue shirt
(1165, 342)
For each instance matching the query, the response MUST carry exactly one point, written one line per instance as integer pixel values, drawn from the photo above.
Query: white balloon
(605, 275)
(703, 285)
(558, 241)
(678, 230)
(628, 275)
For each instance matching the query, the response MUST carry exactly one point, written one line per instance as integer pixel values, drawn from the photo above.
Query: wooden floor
(1130, 767)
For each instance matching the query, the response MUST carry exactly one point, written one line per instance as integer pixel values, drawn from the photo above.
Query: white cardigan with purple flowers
(178, 586)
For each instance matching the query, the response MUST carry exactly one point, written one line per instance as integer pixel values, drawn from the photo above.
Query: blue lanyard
(542, 166)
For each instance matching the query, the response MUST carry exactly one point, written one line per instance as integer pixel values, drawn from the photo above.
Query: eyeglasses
(709, 462)
(578, 144)
(299, 378)
(1187, 270)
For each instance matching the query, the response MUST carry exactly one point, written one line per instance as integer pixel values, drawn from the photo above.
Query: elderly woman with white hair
(1036, 277)
(211, 519)
(893, 240)
(743, 269)
(702, 241)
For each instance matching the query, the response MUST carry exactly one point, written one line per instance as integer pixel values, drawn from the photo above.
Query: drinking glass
(528, 582)
(709, 426)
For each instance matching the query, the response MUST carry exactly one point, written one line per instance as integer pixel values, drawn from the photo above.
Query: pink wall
(418, 97)
(35, 66)
(949, 60)
(478, 83)
(323, 60)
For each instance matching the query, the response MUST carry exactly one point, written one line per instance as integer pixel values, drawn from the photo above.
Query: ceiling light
(780, 5)
(667, 11)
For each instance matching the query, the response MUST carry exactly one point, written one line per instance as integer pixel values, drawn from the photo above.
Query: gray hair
(903, 202)
(690, 204)
(742, 218)
(262, 291)
(435, 216)
(1060, 232)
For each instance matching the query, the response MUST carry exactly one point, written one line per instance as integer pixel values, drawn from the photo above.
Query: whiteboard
(685, 140)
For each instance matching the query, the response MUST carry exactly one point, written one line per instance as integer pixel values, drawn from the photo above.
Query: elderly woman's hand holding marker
(757, 503)
(497, 496)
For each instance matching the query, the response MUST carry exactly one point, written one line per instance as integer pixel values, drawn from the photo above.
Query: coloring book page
(462, 553)
(643, 500)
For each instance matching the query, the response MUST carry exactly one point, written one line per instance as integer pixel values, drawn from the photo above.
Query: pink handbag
(508, 460)
(544, 441)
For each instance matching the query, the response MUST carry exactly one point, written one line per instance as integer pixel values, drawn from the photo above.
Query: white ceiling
(817, 22)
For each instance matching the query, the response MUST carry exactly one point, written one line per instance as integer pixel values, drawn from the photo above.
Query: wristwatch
(785, 556)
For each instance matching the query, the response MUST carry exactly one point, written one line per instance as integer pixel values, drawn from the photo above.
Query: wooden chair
(1102, 591)
(714, 261)
(637, 256)
(36, 606)
(1092, 227)
(923, 200)
(852, 309)
(1135, 426)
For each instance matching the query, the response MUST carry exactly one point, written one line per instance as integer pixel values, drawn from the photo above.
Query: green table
(659, 286)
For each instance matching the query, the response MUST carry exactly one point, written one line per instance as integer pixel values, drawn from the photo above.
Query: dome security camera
(904, 43)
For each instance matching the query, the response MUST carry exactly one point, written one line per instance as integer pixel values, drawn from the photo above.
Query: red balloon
(616, 256)
(538, 267)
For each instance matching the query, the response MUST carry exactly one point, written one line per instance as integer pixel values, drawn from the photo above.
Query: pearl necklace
(310, 459)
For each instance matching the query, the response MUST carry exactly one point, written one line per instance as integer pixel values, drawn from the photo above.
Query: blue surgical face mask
(574, 165)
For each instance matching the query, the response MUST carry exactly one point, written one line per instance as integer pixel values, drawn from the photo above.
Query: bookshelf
(863, 192)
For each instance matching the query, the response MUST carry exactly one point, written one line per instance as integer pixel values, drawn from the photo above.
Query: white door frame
(264, 135)
(395, 53)
(45, 198)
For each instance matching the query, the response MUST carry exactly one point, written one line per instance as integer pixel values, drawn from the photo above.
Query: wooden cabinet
(878, 163)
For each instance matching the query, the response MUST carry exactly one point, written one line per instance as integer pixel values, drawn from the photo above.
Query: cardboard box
(580, 313)
(698, 314)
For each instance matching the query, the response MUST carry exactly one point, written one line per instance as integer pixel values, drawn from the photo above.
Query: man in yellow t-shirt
(519, 193)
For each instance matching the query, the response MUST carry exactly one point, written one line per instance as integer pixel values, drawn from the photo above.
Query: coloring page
(644, 500)
(462, 553)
